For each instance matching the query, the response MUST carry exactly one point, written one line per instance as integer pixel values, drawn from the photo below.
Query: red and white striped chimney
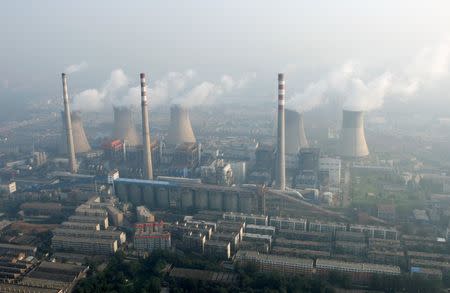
(280, 172)
(148, 169)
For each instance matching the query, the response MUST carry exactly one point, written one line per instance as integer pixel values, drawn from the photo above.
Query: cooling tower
(68, 123)
(280, 171)
(124, 128)
(180, 129)
(80, 141)
(295, 132)
(148, 169)
(353, 141)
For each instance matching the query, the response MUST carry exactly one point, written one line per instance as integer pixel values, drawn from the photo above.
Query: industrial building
(85, 245)
(91, 234)
(246, 218)
(332, 227)
(288, 223)
(352, 140)
(124, 127)
(278, 263)
(186, 194)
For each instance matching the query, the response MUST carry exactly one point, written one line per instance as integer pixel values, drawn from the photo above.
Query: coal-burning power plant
(80, 141)
(148, 169)
(68, 123)
(353, 141)
(124, 127)
(295, 132)
(180, 129)
(280, 169)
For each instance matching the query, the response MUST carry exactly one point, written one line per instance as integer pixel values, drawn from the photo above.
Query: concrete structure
(218, 249)
(269, 263)
(288, 223)
(144, 215)
(124, 128)
(91, 234)
(260, 229)
(353, 141)
(81, 226)
(280, 170)
(148, 168)
(73, 167)
(332, 227)
(147, 242)
(295, 132)
(84, 245)
(246, 218)
(180, 129)
(80, 140)
(358, 272)
(14, 249)
(375, 231)
(188, 194)
(333, 167)
(102, 220)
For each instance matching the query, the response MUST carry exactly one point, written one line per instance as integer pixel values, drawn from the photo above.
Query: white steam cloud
(76, 67)
(350, 83)
(174, 87)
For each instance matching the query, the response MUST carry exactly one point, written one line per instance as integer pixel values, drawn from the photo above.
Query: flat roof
(358, 266)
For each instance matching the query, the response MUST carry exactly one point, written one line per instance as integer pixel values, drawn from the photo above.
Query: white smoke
(96, 99)
(206, 92)
(161, 90)
(358, 92)
(76, 67)
(174, 87)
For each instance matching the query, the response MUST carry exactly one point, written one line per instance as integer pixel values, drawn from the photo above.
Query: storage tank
(135, 195)
(201, 199)
(187, 199)
(149, 196)
(162, 197)
(230, 202)
(215, 200)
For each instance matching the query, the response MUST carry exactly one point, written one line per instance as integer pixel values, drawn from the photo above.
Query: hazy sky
(306, 38)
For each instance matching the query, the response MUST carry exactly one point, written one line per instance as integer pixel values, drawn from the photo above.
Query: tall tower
(180, 128)
(280, 179)
(70, 146)
(353, 140)
(148, 174)
(295, 132)
(124, 128)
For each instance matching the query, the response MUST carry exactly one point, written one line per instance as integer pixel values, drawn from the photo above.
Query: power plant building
(188, 194)
(295, 137)
(124, 127)
(353, 141)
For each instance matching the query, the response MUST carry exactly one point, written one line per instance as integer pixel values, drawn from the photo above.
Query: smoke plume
(359, 90)
(76, 67)
(174, 87)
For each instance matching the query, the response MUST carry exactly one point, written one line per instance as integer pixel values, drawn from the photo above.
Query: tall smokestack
(180, 129)
(353, 141)
(280, 179)
(124, 128)
(295, 132)
(146, 131)
(70, 147)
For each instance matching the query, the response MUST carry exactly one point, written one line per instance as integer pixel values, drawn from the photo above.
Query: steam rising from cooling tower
(353, 141)
(280, 172)
(70, 146)
(80, 141)
(124, 128)
(295, 132)
(180, 129)
(146, 131)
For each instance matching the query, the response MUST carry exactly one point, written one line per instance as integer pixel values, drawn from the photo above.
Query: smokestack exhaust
(353, 141)
(146, 131)
(70, 146)
(280, 179)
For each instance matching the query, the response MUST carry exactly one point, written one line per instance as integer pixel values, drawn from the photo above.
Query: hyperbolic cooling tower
(295, 132)
(180, 129)
(124, 128)
(68, 123)
(353, 141)
(280, 171)
(148, 174)
(80, 141)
